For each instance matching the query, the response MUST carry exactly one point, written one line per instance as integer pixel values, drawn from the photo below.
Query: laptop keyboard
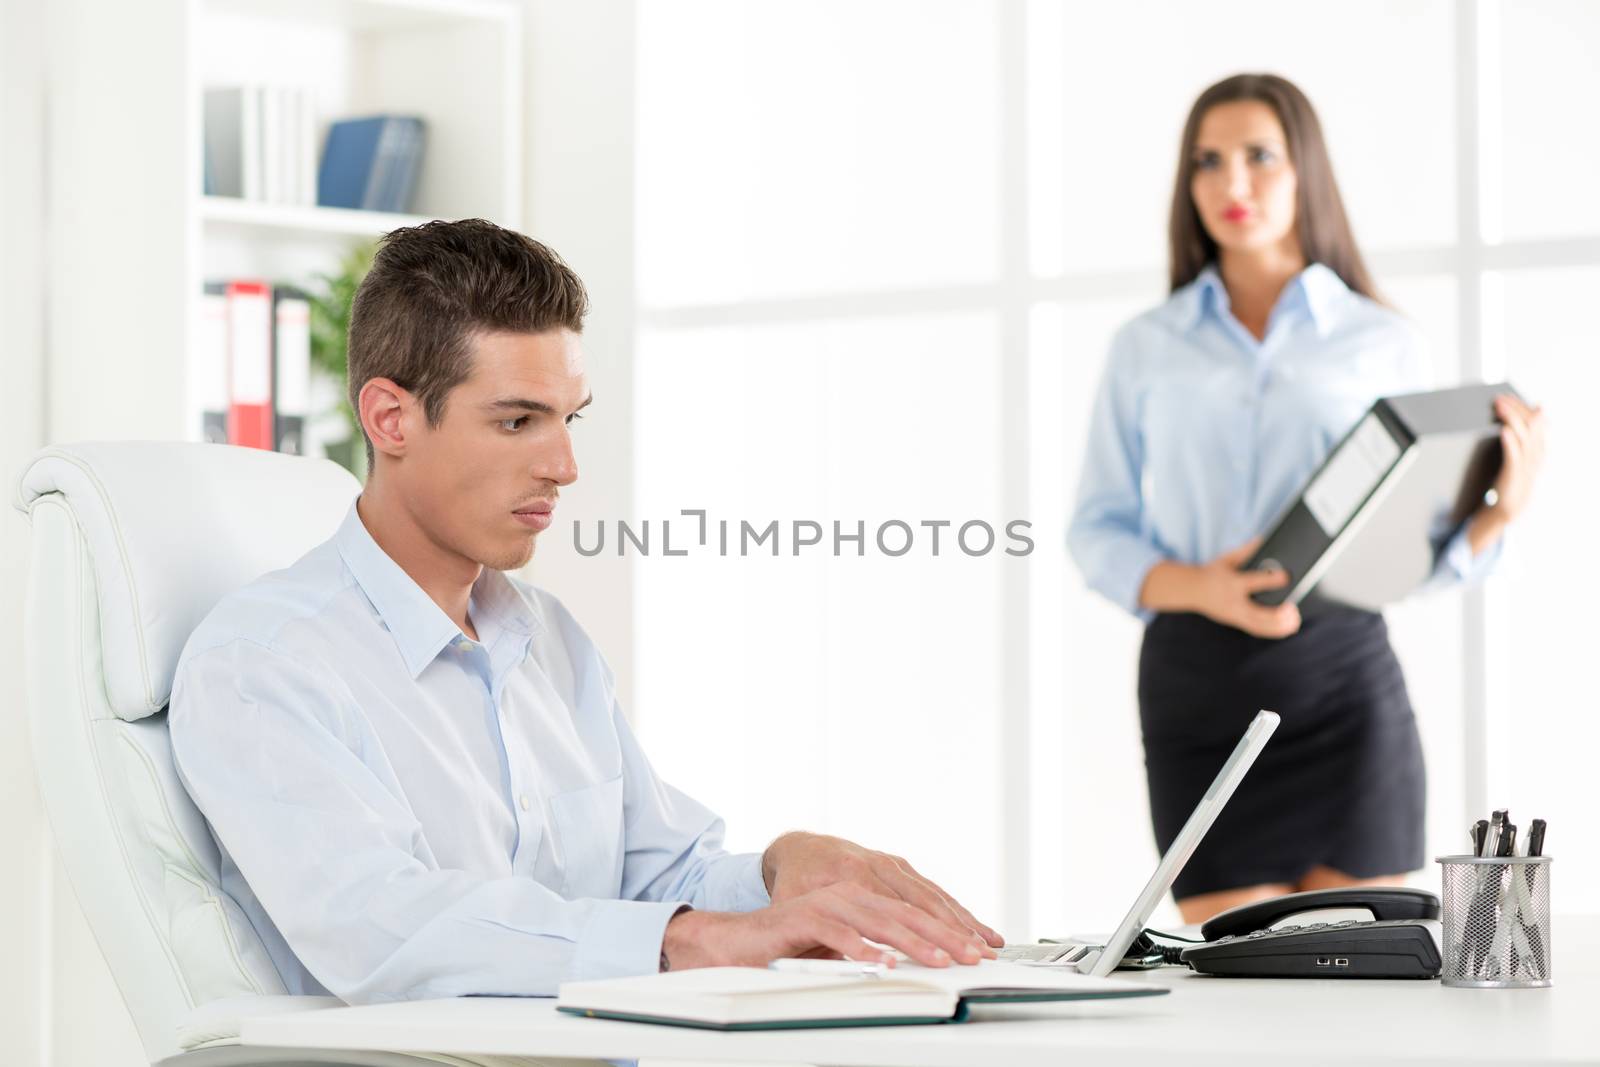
(1044, 953)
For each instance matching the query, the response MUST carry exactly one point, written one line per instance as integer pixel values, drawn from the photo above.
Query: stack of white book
(261, 143)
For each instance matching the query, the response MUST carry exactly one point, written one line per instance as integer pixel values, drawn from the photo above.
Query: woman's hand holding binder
(1220, 591)
(1523, 441)
(1522, 444)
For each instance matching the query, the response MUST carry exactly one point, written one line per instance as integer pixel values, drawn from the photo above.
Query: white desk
(1202, 1021)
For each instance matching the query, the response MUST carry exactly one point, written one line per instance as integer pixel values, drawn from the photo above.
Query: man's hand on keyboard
(837, 921)
(800, 863)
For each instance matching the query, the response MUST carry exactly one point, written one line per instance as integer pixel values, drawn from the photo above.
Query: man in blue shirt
(415, 765)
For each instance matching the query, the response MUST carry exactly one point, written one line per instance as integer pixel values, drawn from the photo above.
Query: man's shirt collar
(420, 628)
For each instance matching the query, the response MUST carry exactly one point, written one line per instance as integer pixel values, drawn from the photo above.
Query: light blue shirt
(1202, 435)
(405, 813)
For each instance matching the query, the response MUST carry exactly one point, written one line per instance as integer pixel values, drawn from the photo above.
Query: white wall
(24, 881)
(48, 958)
(580, 167)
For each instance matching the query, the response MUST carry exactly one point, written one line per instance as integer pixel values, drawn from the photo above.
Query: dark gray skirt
(1341, 782)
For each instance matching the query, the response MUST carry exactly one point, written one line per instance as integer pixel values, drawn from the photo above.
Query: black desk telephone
(1400, 941)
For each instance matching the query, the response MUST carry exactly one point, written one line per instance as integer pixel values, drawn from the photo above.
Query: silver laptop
(1101, 960)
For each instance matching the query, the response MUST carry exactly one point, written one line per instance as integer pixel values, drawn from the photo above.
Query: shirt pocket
(588, 831)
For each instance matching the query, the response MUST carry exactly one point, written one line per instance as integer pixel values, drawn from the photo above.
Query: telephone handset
(1401, 940)
(1384, 904)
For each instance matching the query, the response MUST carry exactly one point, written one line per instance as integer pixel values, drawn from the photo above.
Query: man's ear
(387, 415)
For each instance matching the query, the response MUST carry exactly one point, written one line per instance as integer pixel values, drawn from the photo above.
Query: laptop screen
(1188, 839)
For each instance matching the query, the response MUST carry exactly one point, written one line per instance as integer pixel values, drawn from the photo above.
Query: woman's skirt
(1341, 782)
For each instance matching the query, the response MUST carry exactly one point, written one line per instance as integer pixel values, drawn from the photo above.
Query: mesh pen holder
(1496, 926)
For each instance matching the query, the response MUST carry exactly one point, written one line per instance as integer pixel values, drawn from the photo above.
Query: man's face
(483, 483)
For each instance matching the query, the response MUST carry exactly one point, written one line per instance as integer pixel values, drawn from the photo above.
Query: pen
(1527, 951)
(1533, 844)
(1503, 956)
(835, 968)
(1510, 918)
(1497, 827)
(1485, 905)
(1480, 833)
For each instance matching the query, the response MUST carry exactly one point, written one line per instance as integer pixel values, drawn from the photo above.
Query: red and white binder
(291, 379)
(250, 365)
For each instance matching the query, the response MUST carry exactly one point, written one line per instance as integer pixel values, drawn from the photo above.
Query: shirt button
(522, 802)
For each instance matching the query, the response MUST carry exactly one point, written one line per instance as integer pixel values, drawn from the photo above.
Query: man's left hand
(798, 863)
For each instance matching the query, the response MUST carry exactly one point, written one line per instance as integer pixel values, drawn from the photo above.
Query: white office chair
(132, 545)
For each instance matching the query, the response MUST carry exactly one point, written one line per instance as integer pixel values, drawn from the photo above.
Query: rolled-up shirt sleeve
(1107, 536)
(1454, 563)
(273, 753)
(1457, 565)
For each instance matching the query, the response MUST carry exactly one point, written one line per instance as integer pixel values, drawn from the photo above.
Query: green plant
(330, 330)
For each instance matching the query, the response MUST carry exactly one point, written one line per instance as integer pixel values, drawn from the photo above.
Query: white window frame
(1469, 260)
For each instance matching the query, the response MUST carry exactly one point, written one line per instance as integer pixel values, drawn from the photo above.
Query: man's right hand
(833, 922)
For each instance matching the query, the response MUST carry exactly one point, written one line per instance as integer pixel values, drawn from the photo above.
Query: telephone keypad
(1281, 931)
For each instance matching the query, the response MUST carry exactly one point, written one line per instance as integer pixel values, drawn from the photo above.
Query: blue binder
(370, 163)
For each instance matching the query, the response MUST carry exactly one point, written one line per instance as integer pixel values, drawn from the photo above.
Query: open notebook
(753, 998)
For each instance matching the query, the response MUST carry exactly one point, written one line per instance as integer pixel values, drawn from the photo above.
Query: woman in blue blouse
(1214, 410)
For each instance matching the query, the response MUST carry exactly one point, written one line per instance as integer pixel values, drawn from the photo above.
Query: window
(881, 249)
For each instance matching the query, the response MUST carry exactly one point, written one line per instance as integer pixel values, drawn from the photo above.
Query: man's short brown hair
(433, 287)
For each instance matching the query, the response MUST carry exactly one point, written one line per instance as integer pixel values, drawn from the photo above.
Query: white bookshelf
(454, 63)
(134, 238)
(256, 220)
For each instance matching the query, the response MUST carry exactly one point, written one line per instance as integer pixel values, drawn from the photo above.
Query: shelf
(295, 220)
(369, 15)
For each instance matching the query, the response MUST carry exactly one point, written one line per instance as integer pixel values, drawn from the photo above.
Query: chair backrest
(132, 544)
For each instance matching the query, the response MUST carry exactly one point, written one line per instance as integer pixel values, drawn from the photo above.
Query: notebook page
(1000, 975)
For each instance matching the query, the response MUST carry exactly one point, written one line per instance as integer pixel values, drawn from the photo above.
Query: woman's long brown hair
(1323, 227)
